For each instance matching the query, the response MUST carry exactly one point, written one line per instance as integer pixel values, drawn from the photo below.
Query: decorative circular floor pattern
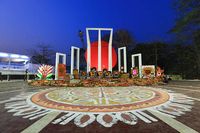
(106, 105)
(110, 99)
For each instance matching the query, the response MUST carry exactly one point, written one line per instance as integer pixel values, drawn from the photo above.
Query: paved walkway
(188, 123)
(41, 123)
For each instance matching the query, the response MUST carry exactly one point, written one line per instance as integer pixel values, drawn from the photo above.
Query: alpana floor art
(106, 105)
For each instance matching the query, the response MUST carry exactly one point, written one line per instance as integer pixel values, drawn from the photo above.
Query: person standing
(1, 78)
(26, 75)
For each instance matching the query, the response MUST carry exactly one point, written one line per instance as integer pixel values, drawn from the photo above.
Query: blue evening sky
(26, 23)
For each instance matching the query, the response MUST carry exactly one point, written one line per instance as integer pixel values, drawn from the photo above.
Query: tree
(187, 27)
(43, 54)
(154, 53)
(121, 38)
(188, 16)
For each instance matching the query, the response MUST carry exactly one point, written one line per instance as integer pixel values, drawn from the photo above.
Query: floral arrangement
(75, 71)
(95, 82)
(61, 71)
(108, 74)
(45, 72)
(148, 71)
(116, 74)
(83, 73)
(92, 74)
(134, 72)
(76, 74)
(100, 74)
(159, 72)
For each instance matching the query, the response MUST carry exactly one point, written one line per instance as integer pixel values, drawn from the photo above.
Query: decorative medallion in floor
(106, 105)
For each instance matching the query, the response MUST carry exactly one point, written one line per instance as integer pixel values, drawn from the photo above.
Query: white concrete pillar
(140, 65)
(119, 59)
(99, 50)
(56, 66)
(88, 50)
(72, 61)
(125, 61)
(57, 62)
(77, 58)
(139, 62)
(110, 51)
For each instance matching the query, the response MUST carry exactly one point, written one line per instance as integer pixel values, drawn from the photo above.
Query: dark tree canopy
(188, 16)
(43, 54)
(187, 28)
(121, 38)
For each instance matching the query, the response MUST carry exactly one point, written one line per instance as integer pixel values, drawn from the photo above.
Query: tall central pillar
(99, 48)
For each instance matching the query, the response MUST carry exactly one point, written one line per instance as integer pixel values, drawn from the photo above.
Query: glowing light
(19, 60)
(14, 56)
(3, 54)
(24, 57)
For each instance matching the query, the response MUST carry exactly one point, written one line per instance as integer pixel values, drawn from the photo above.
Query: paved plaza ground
(14, 124)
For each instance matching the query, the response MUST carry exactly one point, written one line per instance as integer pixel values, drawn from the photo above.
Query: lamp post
(156, 55)
(81, 34)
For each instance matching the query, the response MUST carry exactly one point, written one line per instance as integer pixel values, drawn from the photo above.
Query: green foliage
(187, 29)
(175, 77)
(188, 20)
(188, 15)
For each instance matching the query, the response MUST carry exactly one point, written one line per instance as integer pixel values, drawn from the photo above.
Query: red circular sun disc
(104, 55)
